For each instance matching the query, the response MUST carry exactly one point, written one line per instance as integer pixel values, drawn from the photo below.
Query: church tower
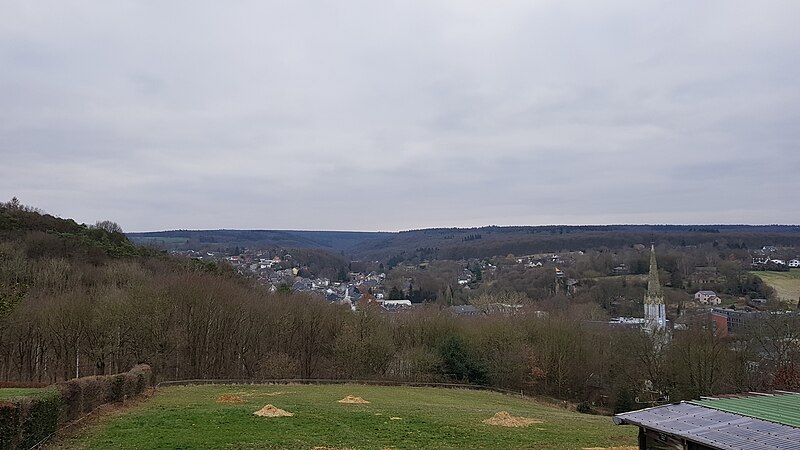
(655, 315)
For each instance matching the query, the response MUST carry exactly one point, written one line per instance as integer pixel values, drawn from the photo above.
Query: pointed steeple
(655, 314)
(654, 294)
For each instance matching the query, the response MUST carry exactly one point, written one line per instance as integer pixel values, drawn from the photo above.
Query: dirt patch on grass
(271, 411)
(228, 398)
(353, 400)
(395, 418)
(504, 419)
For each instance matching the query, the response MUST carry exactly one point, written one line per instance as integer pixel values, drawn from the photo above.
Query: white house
(707, 297)
(395, 304)
(794, 262)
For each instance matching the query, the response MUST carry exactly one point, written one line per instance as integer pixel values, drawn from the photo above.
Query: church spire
(654, 294)
(655, 314)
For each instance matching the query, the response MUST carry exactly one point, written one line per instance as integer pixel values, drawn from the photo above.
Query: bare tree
(109, 226)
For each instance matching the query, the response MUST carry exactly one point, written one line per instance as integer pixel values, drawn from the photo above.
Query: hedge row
(25, 421)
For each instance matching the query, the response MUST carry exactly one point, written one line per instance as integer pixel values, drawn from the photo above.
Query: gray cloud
(394, 115)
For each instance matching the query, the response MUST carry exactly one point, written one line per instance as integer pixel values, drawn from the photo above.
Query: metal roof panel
(783, 408)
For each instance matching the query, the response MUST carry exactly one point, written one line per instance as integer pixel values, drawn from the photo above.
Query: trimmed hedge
(25, 421)
(82, 395)
(39, 416)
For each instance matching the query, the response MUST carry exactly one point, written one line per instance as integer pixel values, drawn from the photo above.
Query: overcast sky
(378, 115)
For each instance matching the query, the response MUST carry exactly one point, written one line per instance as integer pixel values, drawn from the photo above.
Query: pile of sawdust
(271, 411)
(351, 399)
(612, 448)
(504, 419)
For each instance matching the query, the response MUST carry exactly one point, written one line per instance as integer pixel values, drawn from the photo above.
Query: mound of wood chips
(504, 419)
(271, 411)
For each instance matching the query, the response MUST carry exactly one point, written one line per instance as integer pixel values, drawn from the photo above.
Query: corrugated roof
(783, 408)
(714, 428)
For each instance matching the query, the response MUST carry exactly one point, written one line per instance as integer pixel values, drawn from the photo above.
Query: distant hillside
(458, 243)
(334, 241)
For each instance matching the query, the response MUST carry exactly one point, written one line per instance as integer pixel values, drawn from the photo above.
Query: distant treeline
(458, 243)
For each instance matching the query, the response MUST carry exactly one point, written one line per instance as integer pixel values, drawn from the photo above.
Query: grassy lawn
(397, 418)
(787, 284)
(8, 393)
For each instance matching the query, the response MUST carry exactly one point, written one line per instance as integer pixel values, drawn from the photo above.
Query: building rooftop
(751, 421)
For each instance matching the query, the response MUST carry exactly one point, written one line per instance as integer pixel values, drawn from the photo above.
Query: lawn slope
(786, 284)
(399, 418)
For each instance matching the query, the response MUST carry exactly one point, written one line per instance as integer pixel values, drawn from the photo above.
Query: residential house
(395, 304)
(707, 297)
(466, 277)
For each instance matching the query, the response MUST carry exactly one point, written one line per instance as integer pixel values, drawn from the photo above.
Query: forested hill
(46, 235)
(457, 243)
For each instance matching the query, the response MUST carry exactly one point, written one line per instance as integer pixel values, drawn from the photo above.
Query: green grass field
(397, 417)
(8, 393)
(787, 284)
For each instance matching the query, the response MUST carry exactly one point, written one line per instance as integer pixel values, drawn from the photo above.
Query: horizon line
(475, 227)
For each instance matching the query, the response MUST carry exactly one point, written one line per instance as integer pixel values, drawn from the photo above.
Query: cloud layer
(366, 115)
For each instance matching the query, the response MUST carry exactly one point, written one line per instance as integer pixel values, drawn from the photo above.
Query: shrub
(26, 421)
(116, 392)
(584, 407)
(9, 424)
(40, 414)
(624, 402)
(94, 392)
(71, 394)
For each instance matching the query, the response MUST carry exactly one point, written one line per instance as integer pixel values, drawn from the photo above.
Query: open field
(787, 284)
(7, 393)
(190, 417)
